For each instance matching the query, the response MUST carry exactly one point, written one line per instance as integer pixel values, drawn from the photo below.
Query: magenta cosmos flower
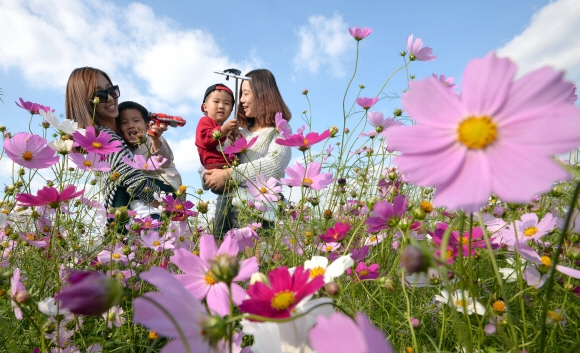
(99, 144)
(16, 287)
(33, 108)
(336, 233)
(49, 196)
(30, 151)
(499, 137)
(264, 190)
(240, 146)
(284, 293)
(365, 272)
(90, 293)
(359, 33)
(200, 281)
(172, 313)
(303, 142)
(282, 125)
(339, 333)
(417, 52)
(456, 241)
(309, 177)
(90, 161)
(366, 103)
(385, 214)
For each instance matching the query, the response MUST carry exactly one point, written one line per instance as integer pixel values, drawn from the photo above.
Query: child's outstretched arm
(156, 141)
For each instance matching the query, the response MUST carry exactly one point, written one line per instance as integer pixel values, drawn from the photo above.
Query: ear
(204, 106)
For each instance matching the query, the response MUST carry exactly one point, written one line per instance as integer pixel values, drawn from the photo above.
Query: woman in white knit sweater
(259, 102)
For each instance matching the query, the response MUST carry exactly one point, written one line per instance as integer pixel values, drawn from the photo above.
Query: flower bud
(333, 289)
(418, 213)
(314, 201)
(224, 267)
(202, 207)
(557, 191)
(214, 328)
(126, 250)
(387, 282)
(573, 253)
(22, 297)
(93, 182)
(45, 124)
(259, 277)
(199, 191)
(397, 112)
(90, 293)
(361, 86)
(412, 77)
(414, 259)
(2, 128)
(328, 214)
(415, 322)
(346, 130)
(121, 214)
(403, 53)
(305, 91)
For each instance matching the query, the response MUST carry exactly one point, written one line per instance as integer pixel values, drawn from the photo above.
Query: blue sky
(163, 54)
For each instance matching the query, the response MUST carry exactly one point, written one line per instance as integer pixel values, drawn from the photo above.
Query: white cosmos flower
(68, 126)
(48, 306)
(318, 266)
(460, 300)
(61, 146)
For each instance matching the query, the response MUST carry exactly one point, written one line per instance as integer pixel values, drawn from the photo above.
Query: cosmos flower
(101, 144)
(29, 151)
(89, 293)
(49, 196)
(90, 161)
(32, 108)
(446, 81)
(285, 292)
(303, 142)
(16, 289)
(336, 233)
(264, 190)
(154, 241)
(385, 214)
(505, 130)
(417, 52)
(141, 162)
(318, 266)
(458, 300)
(365, 272)
(241, 145)
(309, 177)
(61, 146)
(282, 125)
(67, 125)
(359, 33)
(366, 103)
(378, 120)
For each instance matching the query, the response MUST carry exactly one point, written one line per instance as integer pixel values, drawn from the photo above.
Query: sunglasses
(104, 94)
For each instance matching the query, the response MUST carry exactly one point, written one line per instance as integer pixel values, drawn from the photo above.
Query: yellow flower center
(88, 163)
(328, 248)
(464, 240)
(307, 181)
(210, 279)
(546, 261)
(426, 206)
(183, 188)
(145, 166)
(373, 239)
(153, 335)
(27, 156)
(317, 271)
(30, 236)
(282, 300)
(528, 232)
(449, 254)
(477, 133)
(263, 190)
(147, 224)
(363, 273)
(459, 302)
(46, 229)
(156, 243)
(499, 306)
(5, 211)
(116, 256)
(96, 144)
(179, 207)
(305, 142)
(308, 234)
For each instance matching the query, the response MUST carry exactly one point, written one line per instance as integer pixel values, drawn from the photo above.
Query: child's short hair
(133, 105)
(217, 87)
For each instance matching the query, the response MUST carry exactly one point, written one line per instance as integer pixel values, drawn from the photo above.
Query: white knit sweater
(264, 157)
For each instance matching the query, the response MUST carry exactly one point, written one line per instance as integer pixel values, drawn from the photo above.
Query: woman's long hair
(268, 100)
(80, 91)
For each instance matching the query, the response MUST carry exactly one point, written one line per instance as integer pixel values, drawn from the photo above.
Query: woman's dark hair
(134, 105)
(80, 90)
(268, 100)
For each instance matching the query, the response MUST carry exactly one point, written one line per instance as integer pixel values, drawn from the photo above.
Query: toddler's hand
(230, 126)
(157, 130)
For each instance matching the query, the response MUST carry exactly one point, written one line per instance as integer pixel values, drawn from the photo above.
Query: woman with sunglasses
(123, 183)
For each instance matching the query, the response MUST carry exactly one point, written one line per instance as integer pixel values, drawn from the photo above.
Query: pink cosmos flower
(240, 146)
(33, 108)
(456, 241)
(284, 293)
(49, 196)
(16, 287)
(142, 163)
(378, 120)
(90, 161)
(339, 333)
(148, 222)
(303, 142)
(446, 81)
(385, 214)
(244, 236)
(359, 33)
(417, 52)
(101, 144)
(528, 228)
(153, 241)
(89, 293)
(282, 125)
(29, 151)
(264, 190)
(116, 255)
(178, 208)
(186, 314)
(34, 240)
(328, 247)
(309, 177)
(293, 244)
(365, 272)
(199, 280)
(500, 137)
(336, 233)
(366, 103)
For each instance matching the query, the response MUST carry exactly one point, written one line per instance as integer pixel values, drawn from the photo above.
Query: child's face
(218, 105)
(131, 123)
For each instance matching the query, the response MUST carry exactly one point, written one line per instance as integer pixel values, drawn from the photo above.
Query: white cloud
(323, 43)
(155, 62)
(550, 39)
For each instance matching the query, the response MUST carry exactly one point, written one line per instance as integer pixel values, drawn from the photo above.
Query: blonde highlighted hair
(80, 91)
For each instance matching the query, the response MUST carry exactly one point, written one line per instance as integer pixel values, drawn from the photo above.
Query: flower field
(451, 226)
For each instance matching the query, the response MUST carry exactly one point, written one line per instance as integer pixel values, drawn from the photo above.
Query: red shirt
(206, 144)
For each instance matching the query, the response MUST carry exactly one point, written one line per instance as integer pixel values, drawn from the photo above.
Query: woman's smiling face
(248, 100)
(110, 109)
